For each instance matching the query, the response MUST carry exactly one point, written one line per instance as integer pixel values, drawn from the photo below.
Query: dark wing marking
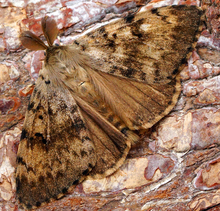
(55, 149)
(152, 47)
(62, 141)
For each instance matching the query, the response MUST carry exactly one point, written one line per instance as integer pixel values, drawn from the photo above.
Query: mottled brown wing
(55, 150)
(151, 46)
(139, 58)
(60, 144)
(111, 144)
(139, 105)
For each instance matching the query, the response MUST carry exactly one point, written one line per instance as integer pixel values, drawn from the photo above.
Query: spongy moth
(90, 96)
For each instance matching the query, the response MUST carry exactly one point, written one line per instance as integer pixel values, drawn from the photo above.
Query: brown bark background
(177, 164)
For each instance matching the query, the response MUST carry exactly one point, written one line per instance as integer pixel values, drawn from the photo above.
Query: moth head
(32, 42)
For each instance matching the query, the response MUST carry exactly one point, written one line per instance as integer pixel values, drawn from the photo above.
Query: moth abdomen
(87, 91)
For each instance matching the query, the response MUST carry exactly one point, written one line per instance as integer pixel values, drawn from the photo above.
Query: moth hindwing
(91, 95)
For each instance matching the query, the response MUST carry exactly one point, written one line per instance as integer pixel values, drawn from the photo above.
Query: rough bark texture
(177, 164)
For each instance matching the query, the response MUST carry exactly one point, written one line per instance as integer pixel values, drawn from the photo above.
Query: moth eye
(47, 82)
(56, 44)
(44, 53)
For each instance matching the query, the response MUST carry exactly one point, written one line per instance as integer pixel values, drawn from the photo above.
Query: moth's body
(70, 69)
(90, 96)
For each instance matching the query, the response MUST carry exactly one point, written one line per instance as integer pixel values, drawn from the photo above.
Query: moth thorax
(54, 54)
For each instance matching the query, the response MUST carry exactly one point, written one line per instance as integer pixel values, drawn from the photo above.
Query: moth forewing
(49, 165)
(91, 95)
(149, 46)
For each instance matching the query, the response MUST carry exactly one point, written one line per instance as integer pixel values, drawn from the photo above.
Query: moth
(91, 96)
